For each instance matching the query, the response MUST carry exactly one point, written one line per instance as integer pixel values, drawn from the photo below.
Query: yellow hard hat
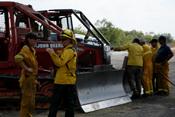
(68, 34)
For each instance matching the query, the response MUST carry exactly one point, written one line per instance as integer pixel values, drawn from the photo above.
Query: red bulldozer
(99, 85)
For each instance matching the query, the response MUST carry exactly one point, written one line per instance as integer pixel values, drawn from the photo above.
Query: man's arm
(62, 59)
(19, 60)
(117, 49)
(122, 48)
(169, 56)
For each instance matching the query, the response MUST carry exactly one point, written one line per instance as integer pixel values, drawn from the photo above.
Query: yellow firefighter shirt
(29, 58)
(147, 53)
(147, 56)
(66, 66)
(135, 54)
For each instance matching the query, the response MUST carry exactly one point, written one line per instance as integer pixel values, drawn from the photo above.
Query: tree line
(117, 36)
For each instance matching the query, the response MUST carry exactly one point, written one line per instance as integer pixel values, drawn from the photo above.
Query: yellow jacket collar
(68, 46)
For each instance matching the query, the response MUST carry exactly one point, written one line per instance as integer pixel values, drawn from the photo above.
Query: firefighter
(164, 54)
(154, 49)
(134, 65)
(147, 70)
(65, 78)
(26, 59)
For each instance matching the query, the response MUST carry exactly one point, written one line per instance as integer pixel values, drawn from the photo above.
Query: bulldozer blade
(102, 89)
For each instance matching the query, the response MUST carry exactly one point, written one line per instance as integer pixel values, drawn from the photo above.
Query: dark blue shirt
(162, 54)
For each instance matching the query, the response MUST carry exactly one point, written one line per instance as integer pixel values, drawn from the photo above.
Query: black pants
(66, 93)
(154, 80)
(135, 74)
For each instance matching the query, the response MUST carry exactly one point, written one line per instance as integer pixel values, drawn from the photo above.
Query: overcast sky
(143, 15)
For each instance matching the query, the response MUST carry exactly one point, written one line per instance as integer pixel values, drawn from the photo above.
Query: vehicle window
(25, 24)
(64, 22)
(2, 21)
(21, 20)
(42, 32)
(82, 33)
(4, 39)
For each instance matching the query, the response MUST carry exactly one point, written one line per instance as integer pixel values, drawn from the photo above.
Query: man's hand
(26, 68)
(58, 52)
(29, 70)
(38, 84)
(50, 50)
(116, 49)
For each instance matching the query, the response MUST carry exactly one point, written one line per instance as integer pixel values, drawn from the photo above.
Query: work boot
(162, 93)
(135, 95)
(145, 95)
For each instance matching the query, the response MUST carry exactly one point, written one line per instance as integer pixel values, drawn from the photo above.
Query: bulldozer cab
(93, 48)
(15, 21)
